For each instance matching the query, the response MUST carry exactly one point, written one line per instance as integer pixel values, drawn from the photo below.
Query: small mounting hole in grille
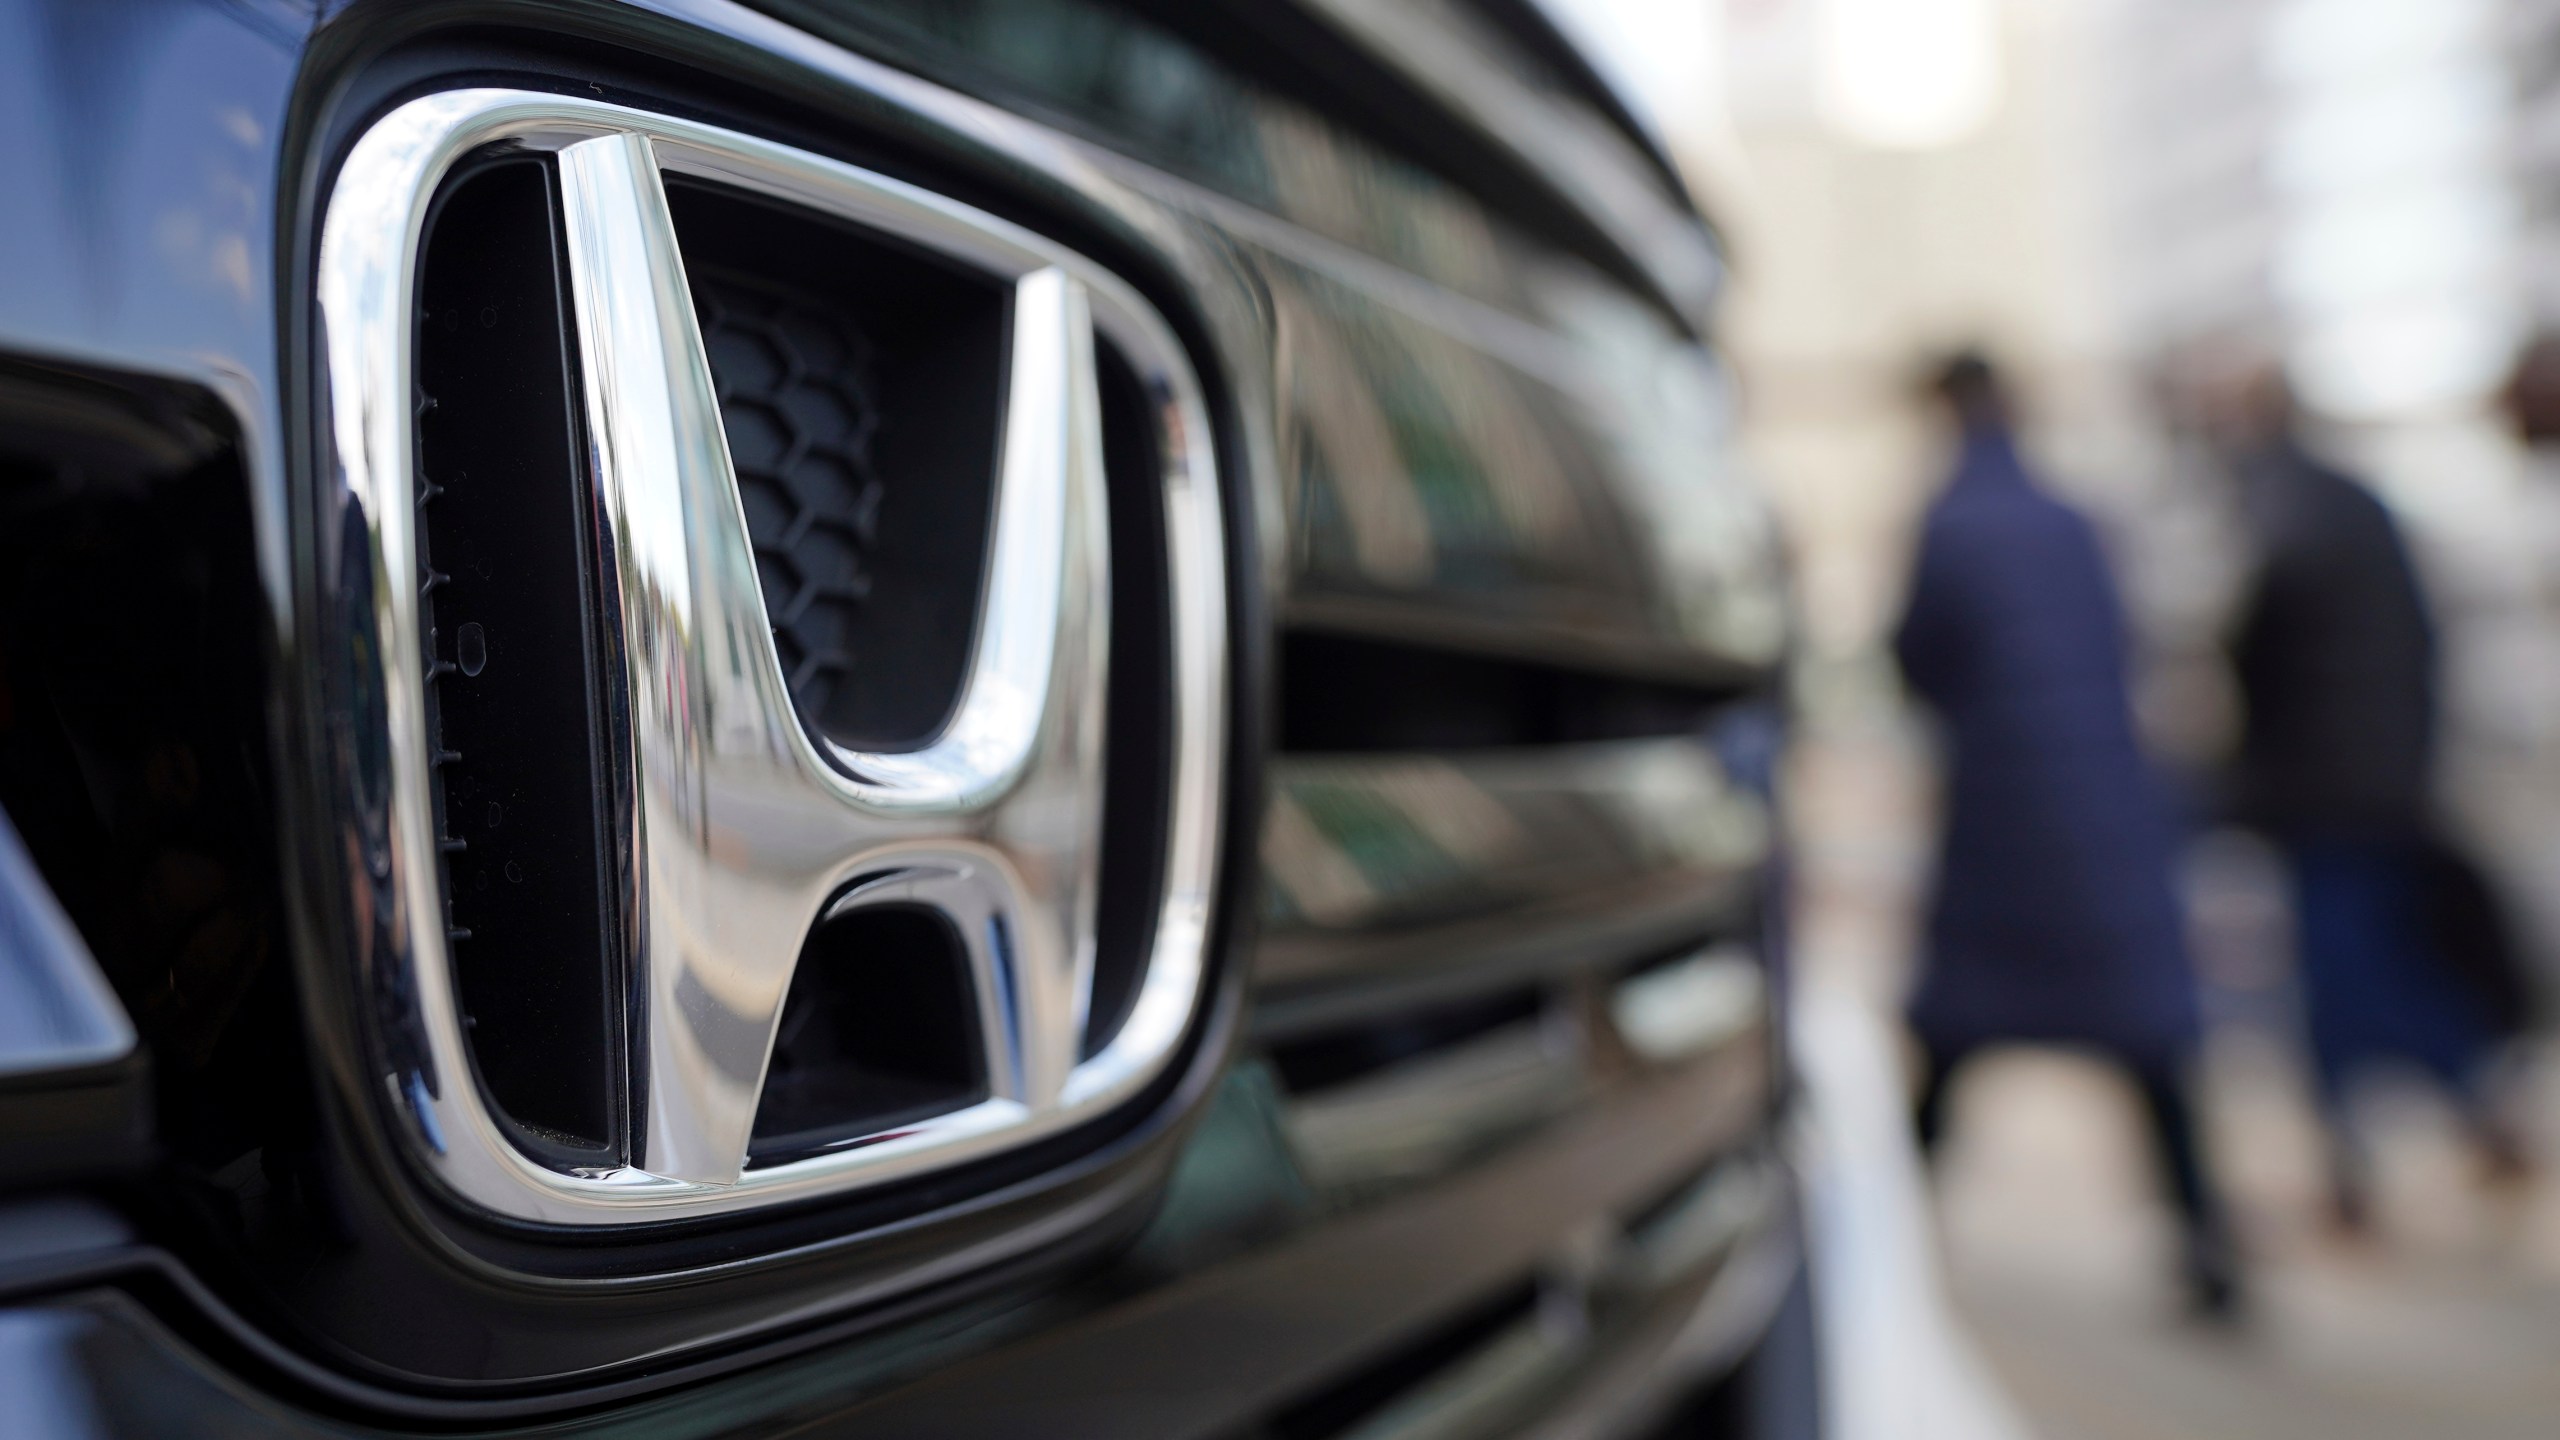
(879, 1030)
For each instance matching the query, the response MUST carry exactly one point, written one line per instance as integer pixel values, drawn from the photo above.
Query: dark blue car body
(1460, 1142)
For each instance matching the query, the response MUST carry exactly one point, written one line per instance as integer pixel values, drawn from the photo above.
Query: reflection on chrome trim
(1414, 1120)
(1459, 492)
(1365, 843)
(1736, 1198)
(1447, 50)
(1691, 1005)
(63, 1015)
(744, 827)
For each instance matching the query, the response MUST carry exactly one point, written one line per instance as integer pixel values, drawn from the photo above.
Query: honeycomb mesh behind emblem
(794, 377)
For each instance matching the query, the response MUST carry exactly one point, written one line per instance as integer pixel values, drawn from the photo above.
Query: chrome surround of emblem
(745, 826)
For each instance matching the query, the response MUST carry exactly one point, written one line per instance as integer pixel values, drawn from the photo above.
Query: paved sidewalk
(2024, 1292)
(1897, 1364)
(2446, 1325)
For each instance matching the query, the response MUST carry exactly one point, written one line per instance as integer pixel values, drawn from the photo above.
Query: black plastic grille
(879, 1029)
(135, 759)
(796, 395)
(860, 383)
(515, 697)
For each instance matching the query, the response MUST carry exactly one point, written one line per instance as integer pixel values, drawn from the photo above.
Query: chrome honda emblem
(747, 827)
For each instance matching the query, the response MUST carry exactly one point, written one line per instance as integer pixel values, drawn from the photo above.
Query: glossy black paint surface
(1442, 428)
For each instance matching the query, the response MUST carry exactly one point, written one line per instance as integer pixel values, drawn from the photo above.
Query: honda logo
(747, 827)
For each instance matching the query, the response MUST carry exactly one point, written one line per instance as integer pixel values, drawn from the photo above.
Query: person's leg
(2505, 1155)
(2341, 1146)
(1929, 1110)
(2350, 1169)
(2343, 924)
(2210, 1262)
(2450, 1027)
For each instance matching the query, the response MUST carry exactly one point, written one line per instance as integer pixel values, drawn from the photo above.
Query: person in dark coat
(2054, 920)
(2336, 657)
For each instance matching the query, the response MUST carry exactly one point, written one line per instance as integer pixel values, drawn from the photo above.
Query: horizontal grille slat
(1388, 875)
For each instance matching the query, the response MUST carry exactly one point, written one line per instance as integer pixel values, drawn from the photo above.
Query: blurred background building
(2089, 189)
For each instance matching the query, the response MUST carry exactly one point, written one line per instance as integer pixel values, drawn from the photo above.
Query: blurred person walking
(2054, 920)
(2335, 653)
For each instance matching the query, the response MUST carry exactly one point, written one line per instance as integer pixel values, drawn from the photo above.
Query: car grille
(798, 399)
